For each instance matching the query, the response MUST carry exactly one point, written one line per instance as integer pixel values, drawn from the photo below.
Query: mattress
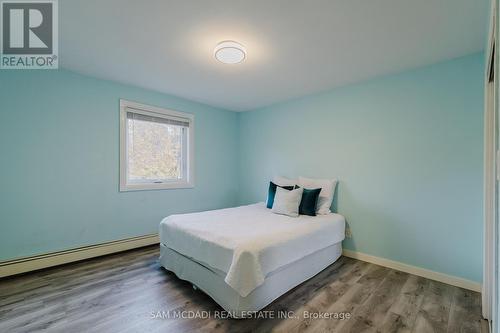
(211, 281)
(246, 244)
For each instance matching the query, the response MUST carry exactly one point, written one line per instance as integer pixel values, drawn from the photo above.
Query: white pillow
(283, 181)
(287, 202)
(325, 196)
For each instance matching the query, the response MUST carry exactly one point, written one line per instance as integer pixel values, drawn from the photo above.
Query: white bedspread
(249, 242)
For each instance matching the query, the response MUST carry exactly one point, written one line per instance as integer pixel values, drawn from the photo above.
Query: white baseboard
(28, 264)
(33, 263)
(399, 266)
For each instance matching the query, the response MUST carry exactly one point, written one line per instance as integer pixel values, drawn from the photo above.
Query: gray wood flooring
(130, 292)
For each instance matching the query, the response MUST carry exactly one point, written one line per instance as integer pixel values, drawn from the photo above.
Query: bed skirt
(277, 283)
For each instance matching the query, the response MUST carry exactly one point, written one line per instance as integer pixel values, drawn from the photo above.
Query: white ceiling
(295, 47)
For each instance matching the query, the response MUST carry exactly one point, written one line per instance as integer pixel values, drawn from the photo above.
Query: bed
(246, 257)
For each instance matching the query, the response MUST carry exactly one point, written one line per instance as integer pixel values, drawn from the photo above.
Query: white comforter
(249, 242)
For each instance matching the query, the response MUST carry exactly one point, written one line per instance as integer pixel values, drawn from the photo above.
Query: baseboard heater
(32, 263)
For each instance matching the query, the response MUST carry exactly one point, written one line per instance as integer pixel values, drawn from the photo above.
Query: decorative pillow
(309, 202)
(287, 202)
(283, 181)
(272, 192)
(325, 196)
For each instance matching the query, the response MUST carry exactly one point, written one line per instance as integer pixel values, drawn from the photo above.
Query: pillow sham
(325, 196)
(309, 202)
(272, 192)
(287, 202)
(283, 181)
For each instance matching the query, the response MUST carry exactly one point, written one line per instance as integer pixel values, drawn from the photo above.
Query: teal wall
(59, 139)
(408, 150)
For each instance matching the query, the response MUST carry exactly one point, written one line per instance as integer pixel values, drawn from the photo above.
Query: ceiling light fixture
(230, 52)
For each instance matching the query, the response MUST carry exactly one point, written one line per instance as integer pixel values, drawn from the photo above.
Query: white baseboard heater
(32, 263)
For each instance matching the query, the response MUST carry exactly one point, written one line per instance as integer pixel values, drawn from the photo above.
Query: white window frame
(158, 112)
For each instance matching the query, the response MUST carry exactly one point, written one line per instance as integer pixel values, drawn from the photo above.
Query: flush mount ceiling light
(230, 52)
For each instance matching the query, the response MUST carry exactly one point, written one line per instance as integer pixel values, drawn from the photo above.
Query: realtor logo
(29, 36)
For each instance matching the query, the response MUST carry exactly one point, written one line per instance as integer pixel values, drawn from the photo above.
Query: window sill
(153, 187)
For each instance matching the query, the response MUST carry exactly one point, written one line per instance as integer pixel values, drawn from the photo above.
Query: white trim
(399, 266)
(490, 183)
(33, 263)
(156, 111)
(489, 205)
(22, 265)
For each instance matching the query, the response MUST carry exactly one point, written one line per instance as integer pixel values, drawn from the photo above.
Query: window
(156, 148)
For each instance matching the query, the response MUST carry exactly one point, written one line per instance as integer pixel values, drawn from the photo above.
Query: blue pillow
(309, 202)
(272, 192)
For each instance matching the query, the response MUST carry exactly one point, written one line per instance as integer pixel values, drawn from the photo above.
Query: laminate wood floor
(130, 292)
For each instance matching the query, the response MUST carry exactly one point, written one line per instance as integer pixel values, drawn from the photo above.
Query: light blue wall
(408, 150)
(59, 139)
